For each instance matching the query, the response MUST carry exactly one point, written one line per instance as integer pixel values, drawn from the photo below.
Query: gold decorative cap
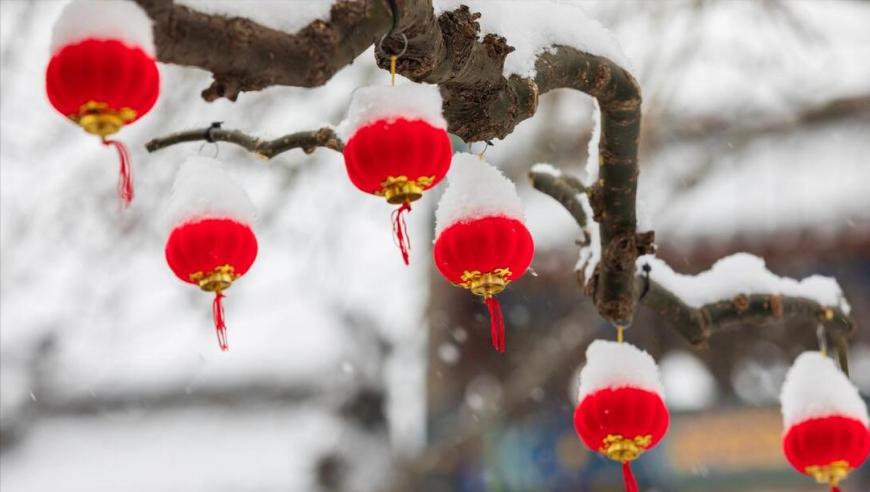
(97, 118)
(486, 284)
(400, 189)
(217, 280)
(623, 449)
(830, 474)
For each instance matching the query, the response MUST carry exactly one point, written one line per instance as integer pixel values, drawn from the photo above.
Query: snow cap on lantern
(396, 146)
(412, 102)
(211, 243)
(621, 411)
(481, 241)
(825, 420)
(613, 365)
(476, 189)
(98, 19)
(102, 74)
(204, 189)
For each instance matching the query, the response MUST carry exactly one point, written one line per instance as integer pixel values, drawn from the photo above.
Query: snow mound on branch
(815, 388)
(618, 365)
(742, 273)
(533, 27)
(476, 189)
(203, 189)
(289, 17)
(381, 102)
(100, 19)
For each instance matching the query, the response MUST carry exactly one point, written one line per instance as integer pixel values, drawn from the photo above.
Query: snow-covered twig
(265, 149)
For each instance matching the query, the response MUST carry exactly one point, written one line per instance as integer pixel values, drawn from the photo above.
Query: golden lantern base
(97, 118)
(486, 284)
(830, 474)
(623, 449)
(217, 280)
(398, 190)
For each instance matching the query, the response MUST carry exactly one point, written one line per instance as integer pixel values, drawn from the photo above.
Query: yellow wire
(620, 337)
(393, 59)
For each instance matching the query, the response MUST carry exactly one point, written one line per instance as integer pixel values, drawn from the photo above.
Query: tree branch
(565, 189)
(697, 325)
(264, 149)
(252, 56)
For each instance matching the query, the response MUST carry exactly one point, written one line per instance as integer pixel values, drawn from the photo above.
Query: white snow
(378, 102)
(815, 388)
(592, 160)
(742, 273)
(289, 17)
(535, 26)
(590, 254)
(203, 189)
(476, 189)
(618, 365)
(101, 19)
(544, 168)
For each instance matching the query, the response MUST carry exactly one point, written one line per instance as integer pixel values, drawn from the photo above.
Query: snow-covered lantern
(826, 423)
(211, 242)
(621, 411)
(481, 241)
(396, 146)
(102, 74)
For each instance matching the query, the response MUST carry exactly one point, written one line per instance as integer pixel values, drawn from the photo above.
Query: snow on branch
(265, 149)
(746, 274)
(736, 290)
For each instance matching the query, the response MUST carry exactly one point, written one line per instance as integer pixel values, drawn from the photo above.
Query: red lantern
(102, 74)
(482, 245)
(827, 434)
(210, 245)
(396, 146)
(621, 413)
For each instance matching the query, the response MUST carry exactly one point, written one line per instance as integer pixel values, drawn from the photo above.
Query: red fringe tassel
(496, 323)
(125, 176)
(834, 488)
(628, 478)
(400, 230)
(217, 308)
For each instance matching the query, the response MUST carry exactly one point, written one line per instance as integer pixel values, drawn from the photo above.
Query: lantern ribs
(308, 141)
(697, 325)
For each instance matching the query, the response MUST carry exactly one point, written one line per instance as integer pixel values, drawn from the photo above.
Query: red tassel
(400, 229)
(628, 478)
(125, 177)
(834, 488)
(496, 323)
(217, 308)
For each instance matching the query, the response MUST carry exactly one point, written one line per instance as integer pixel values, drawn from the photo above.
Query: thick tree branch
(697, 325)
(265, 149)
(246, 56)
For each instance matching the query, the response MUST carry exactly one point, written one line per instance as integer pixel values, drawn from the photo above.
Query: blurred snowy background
(344, 364)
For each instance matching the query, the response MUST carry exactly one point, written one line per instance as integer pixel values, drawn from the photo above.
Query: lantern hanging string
(125, 174)
(393, 59)
(823, 340)
(496, 323)
(400, 230)
(219, 322)
(620, 333)
(628, 477)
